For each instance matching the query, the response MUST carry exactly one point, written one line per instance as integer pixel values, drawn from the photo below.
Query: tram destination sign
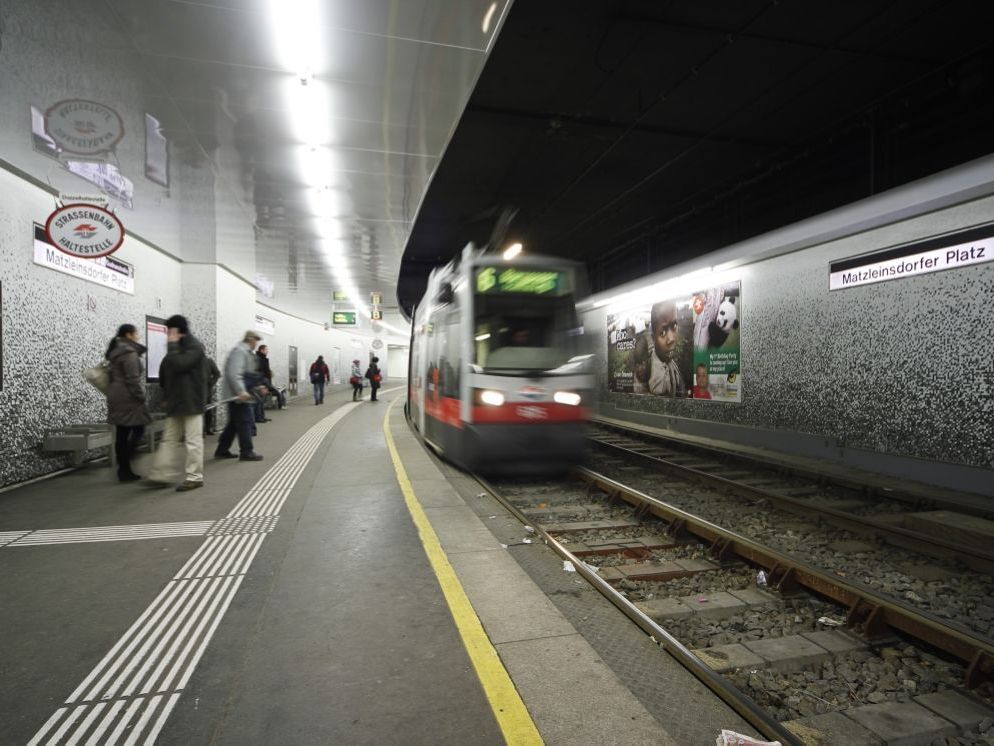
(494, 280)
(962, 249)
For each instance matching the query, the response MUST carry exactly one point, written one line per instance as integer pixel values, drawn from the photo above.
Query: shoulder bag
(98, 376)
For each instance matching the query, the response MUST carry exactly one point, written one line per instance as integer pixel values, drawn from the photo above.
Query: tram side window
(450, 361)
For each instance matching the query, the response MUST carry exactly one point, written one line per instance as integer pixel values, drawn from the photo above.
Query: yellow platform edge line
(512, 716)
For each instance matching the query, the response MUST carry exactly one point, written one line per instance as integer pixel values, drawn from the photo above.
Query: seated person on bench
(267, 374)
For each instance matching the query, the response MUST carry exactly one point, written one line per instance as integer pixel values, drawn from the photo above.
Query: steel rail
(975, 557)
(877, 613)
(739, 702)
(900, 494)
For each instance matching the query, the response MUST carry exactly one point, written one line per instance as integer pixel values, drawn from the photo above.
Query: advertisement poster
(682, 347)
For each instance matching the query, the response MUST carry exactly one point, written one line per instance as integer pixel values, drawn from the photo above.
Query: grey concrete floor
(338, 634)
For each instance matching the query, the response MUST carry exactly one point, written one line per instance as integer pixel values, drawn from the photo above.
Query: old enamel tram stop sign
(84, 231)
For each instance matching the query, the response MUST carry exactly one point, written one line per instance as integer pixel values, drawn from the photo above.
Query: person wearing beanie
(183, 376)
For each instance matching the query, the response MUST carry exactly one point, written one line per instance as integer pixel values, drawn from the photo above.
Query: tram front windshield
(524, 332)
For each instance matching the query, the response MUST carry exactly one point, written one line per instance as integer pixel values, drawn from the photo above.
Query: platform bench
(78, 439)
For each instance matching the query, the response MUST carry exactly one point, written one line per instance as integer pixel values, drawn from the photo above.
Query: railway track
(895, 517)
(911, 566)
(805, 644)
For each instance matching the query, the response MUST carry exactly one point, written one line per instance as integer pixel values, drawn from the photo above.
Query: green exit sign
(343, 318)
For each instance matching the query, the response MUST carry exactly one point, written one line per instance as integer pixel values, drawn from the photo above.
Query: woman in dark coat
(126, 407)
(374, 376)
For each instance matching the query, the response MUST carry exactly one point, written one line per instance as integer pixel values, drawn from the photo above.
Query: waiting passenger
(239, 370)
(374, 376)
(126, 408)
(183, 376)
(355, 378)
(267, 374)
(210, 412)
(319, 377)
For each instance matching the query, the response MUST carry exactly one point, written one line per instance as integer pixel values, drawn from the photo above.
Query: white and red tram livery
(500, 378)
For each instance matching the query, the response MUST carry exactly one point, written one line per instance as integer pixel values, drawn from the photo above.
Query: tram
(500, 378)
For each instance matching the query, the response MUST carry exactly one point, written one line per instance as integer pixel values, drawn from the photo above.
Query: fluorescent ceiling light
(309, 110)
(488, 17)
(296, 27)
(315, 166)
(481, 337)
(325, 202)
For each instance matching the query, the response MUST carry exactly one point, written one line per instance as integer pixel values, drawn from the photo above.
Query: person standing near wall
(374, 376)
(183, 375)
(320, 375)
(239, 370)
(210, 413)
(126, 408)
(265, 377)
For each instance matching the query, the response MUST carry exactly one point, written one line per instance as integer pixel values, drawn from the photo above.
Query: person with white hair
(241, 376)
(355, 378)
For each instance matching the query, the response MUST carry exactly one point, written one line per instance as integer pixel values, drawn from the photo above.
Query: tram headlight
(570, 398)
(490, 398)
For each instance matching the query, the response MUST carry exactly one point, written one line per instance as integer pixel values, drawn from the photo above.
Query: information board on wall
(681, 347)
(156, 340)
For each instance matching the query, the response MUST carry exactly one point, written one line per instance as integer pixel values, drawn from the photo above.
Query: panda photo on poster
(684, 347)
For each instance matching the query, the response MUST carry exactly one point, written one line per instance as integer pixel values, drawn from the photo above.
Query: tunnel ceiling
(634, 135)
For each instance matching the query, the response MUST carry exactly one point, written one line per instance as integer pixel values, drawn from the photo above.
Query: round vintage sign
(86, 231)
(377, 344)
(84, 127)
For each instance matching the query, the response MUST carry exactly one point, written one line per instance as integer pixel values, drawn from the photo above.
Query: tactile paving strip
(687, 709)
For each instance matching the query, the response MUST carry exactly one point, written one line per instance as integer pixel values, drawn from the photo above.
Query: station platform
(350, 588)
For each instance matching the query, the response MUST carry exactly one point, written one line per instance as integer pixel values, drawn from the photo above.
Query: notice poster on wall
(684, 347)
(156, 340)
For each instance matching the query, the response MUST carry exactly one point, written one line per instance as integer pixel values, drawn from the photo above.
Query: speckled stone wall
(902, 368)
(54, 326)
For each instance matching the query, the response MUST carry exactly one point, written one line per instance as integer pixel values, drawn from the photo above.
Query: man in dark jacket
(266, 376)
(183, 375)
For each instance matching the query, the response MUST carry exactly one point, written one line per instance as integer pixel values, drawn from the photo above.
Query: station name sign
(974, 246)
(105, 270)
